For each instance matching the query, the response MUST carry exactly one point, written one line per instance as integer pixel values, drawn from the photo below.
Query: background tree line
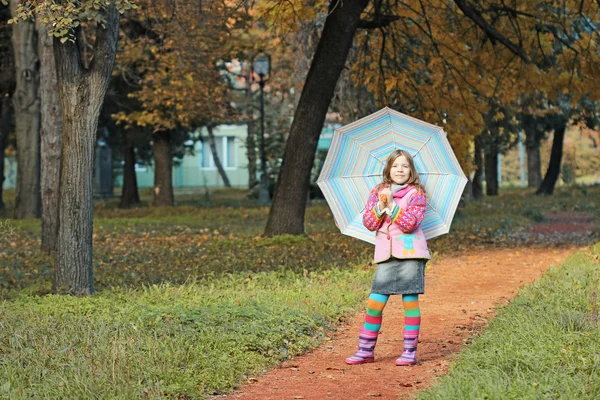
(153, 72)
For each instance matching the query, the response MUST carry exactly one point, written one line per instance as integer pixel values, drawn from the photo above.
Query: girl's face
(400, 172)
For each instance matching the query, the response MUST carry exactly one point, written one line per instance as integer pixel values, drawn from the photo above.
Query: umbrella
(355, 162)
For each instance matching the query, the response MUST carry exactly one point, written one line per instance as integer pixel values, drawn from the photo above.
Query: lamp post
(262, 67)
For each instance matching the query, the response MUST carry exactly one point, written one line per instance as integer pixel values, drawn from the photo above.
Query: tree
(129, 194)
(129, 145)
(547, 186)
(477, 185)
(533, 137)
(564, 113)
(537, 118)
(453, 57)
(213, 149)
(163, 168)
(565, 57)
(50, 138)
(289, 201)
(26, 102)
(81, 92)
(498, 137)
(174, 51)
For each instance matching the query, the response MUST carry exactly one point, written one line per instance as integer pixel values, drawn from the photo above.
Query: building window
(225, 150)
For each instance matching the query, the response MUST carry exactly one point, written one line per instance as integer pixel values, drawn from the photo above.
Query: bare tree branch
(476, 17)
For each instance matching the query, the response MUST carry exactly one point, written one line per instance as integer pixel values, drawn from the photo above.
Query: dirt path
(460, 296)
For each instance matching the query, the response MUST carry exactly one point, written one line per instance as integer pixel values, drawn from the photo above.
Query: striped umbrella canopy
(355, 161)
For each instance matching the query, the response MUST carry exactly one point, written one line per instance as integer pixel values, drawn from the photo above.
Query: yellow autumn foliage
(176, 61)
(434, 63)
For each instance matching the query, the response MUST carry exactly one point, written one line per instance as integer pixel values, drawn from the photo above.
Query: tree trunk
(468, 192)
(547, 186)
(216, 159)
(82, 93)
(532, 145)
(27, 113)
(533, 137)
(491, 170)
(477, 185)
(163, 169)
(251, 150)
(50, 136)
(289, 200)
(5, 111)
(129, 193)
(534, 166)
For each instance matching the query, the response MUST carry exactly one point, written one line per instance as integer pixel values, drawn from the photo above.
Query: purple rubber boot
(366, 348)
(409, 355)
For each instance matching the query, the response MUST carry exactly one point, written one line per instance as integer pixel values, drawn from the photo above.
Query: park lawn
(183, 341)
(191, 300)
(543, 345)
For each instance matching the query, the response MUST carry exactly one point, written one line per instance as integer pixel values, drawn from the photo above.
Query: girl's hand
(385, 198)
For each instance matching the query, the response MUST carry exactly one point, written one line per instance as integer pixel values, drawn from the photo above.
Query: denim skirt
(400, 276)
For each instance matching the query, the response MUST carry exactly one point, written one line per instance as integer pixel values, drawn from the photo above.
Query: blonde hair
(413, 178)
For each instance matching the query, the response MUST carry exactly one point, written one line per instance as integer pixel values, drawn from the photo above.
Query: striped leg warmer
(367, 338)
(412, 325)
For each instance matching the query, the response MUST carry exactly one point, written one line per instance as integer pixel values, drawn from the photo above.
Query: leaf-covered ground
(206, 236)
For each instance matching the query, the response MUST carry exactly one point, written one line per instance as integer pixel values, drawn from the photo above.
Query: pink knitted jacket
(399, 234)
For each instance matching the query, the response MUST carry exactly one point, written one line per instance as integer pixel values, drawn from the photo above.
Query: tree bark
(5, 111)
(27, 113)
(82, 93)
(129, 194)
(50, 136)
(532, 146)
(534, 166)
(289, 200)
(477, 185)
(491, 170)
(216, 159)
(549, 182)
(163, 169)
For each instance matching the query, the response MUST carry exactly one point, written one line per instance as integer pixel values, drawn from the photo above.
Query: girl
(395, 210)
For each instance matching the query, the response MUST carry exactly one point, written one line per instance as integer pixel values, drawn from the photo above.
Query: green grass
(185, 341)
(544, 345)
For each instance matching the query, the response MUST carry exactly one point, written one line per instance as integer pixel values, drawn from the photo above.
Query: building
(194, 170)
(198, 169)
